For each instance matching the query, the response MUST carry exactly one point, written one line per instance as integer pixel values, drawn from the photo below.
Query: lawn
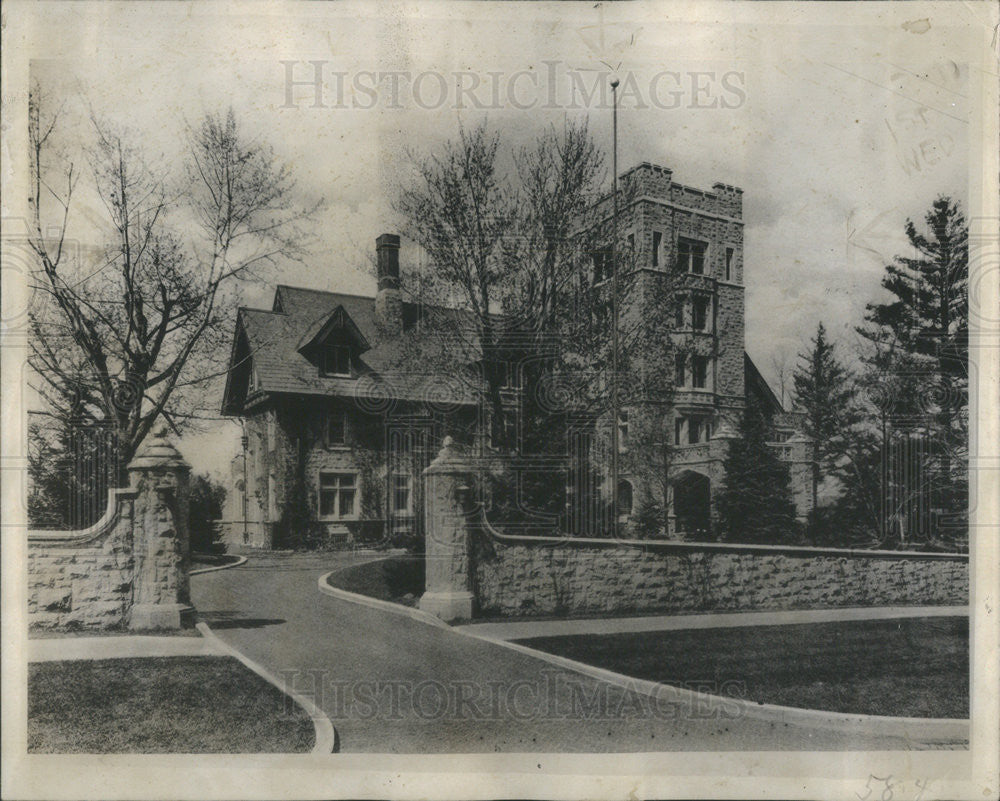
(399, 579)
(915, 667)
(162, 705)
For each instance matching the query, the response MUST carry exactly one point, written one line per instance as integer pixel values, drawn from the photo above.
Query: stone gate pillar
(801, 458)
(447, 482)
(159, 474)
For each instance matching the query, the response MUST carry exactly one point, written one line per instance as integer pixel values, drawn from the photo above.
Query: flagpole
(614, 309)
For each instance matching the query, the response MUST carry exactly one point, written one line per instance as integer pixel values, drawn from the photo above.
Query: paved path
(621, 625)
(393, 684)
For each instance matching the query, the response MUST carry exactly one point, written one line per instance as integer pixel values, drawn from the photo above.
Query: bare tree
(125, 332)
(500, 245)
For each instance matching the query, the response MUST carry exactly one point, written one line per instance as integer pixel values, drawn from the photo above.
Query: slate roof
(274, 338)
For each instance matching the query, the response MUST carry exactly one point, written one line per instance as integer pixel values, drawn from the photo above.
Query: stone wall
(84, 579)
(519, 576)
(130, 569)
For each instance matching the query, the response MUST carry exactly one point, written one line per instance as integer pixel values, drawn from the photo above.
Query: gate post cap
(158, 452)
(450, 459)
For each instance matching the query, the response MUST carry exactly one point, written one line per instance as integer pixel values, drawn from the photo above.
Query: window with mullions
(691, 255)
(337, 495)
(699, 429)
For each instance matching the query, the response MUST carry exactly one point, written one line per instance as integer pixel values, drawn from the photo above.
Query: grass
(399, 579)
(162, 705)
(916, 667)
(74, 633)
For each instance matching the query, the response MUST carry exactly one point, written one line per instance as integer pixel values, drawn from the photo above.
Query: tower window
(679, 372)
(698, 430)
(699, 372)
(730, 253)
(679, 430)
(603, 265)
(691, 255)
(699, 312)
(657, 243)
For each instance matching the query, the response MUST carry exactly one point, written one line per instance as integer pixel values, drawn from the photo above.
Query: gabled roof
(320, 331)
(756, 385)
(279, 340)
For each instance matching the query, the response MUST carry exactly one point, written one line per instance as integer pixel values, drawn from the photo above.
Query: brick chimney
(388, 301)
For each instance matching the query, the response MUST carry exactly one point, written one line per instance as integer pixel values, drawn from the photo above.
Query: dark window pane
(346, 502)
(699, 372)
(336, 428)
(694, 431)
(699, 313)
(326, 503)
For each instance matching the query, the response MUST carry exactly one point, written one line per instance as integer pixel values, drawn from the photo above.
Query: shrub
(206, 500)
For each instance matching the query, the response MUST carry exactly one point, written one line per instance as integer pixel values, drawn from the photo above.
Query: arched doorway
(693, 503)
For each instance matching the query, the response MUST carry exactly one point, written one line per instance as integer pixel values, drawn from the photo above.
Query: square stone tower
(681, 258)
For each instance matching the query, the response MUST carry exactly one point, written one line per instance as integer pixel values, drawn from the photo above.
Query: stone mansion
(336, 432)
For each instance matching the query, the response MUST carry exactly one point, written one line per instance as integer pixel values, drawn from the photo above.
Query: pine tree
(917, 360)
(755, 503)
(824, 390)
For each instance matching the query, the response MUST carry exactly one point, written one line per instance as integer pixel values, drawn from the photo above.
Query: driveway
(393, 684)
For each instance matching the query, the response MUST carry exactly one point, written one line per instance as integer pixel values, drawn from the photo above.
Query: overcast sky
(838, 122)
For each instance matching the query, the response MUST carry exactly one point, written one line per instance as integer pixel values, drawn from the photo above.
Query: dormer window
(336, 361)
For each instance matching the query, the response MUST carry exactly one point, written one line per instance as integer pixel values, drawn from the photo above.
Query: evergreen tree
(917, 363)
(824, 390)
(206, 499)
(755, 503)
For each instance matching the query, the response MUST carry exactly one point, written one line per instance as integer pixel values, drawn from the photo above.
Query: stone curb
(326, 734)
(375, 603)
(936, 730)
(241, 560)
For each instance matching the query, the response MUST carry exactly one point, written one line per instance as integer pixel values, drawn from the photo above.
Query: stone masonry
(513, 576)
(130, 569)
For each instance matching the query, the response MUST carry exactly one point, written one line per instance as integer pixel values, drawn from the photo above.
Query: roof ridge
(323, 291)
